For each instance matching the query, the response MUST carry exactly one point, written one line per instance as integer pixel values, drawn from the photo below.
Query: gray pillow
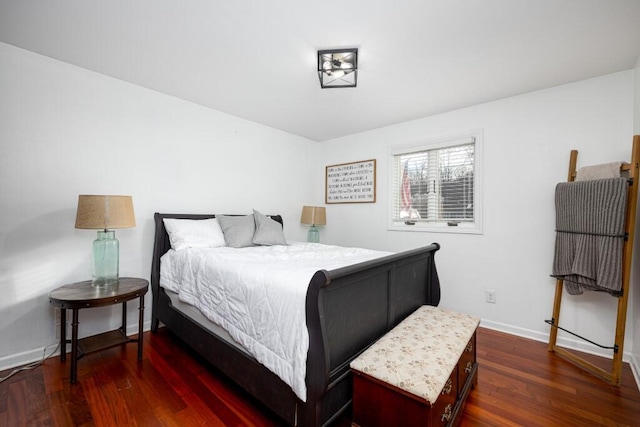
(238, 230)
(268, 231)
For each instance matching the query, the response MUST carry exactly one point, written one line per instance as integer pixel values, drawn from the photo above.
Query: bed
(346, 310)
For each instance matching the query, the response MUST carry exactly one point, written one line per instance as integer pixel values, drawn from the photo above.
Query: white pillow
(194, 233)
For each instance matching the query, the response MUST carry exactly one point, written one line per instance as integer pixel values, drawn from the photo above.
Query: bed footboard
(348, 309)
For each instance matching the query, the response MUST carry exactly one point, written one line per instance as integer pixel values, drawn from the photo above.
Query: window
(435, 186)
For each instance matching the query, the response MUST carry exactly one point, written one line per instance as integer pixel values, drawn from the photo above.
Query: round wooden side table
(76, 296)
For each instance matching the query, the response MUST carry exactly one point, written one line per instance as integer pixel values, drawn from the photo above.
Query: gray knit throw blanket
(590, 227)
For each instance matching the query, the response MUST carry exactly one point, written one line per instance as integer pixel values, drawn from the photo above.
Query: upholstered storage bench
(419, 373)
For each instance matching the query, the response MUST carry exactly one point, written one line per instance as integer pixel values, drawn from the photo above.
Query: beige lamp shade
(105, 212)
(314, 215)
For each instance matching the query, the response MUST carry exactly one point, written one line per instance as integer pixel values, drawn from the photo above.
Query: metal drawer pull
(447, 414)
(447, 387)
(469, 347)
(469, 367)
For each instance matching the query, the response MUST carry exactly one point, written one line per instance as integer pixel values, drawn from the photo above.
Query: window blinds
(435, 185)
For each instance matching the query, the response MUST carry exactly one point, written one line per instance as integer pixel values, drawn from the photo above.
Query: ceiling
(256, 59)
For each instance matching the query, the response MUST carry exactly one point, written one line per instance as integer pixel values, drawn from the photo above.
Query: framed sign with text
(351, 182)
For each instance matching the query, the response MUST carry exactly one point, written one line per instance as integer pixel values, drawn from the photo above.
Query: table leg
(123, 328)
(74, 346)
(63, 334)
(140, 321)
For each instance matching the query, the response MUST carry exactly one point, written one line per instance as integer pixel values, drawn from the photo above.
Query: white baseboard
(569, 343)
(37, 354)
(573, 344)
(20, 359)
(635, 368)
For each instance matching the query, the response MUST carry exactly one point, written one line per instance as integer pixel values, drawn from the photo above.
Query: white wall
(634, 299)
(527, 140)
(66, 131)
(636, 98)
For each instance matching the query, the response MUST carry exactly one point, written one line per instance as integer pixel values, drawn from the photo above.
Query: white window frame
(474, 227)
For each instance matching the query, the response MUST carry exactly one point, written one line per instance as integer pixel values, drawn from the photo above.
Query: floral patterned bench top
(419, 354)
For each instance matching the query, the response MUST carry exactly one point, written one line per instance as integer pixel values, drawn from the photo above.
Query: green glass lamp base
(313, 235)
(105, 259)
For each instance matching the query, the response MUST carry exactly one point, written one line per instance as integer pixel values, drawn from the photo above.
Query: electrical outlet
(56, 323)
(490, 296)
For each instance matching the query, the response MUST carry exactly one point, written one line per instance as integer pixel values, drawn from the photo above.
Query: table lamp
(103, 213)
(313, 215)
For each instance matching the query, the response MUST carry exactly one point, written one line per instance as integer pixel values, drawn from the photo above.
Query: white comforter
(258, 295)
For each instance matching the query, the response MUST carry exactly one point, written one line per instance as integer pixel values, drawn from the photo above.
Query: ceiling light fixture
(338, 68)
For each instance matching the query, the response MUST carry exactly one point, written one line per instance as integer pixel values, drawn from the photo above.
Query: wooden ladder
(614, 376)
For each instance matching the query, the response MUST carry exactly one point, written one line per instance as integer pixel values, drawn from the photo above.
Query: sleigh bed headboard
(162, 244)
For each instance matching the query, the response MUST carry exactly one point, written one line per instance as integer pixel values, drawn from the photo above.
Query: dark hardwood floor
(520, 384)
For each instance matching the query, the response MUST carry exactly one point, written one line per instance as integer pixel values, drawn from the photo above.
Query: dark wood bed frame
(346, 311)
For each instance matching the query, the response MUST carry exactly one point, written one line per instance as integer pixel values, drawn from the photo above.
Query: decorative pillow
(194, 233)
(268, 231)
(238, 230)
